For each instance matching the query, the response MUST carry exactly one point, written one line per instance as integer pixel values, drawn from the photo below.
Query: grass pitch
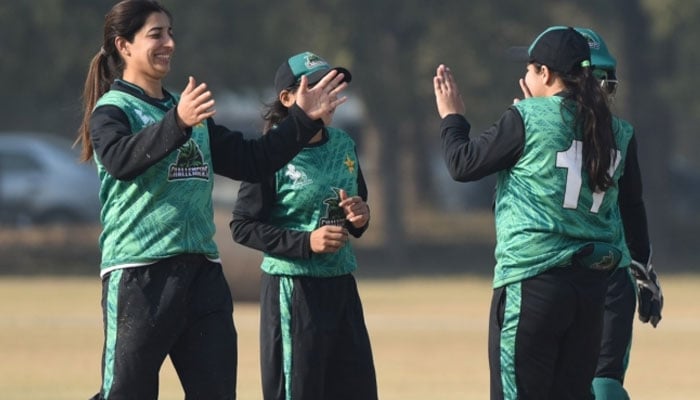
(429, 340)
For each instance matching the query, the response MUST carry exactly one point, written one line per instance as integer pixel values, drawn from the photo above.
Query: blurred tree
(44, 51)
(392, 47)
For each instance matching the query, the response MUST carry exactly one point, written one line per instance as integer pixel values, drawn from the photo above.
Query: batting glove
(649, 294)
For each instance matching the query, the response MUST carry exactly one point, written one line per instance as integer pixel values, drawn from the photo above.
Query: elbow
(455, 167)
(237, 230)
(121, 172)
(458, 174)
(462, 171)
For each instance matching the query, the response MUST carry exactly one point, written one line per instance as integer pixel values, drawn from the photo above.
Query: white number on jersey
(572, 160)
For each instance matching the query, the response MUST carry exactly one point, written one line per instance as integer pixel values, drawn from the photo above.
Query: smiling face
(147, 57)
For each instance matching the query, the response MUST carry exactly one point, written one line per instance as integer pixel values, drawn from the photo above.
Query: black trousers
(620, 304)
(179, 307)
(314, 343)
(545, 334)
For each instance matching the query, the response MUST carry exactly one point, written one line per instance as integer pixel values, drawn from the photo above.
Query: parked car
(42, 181)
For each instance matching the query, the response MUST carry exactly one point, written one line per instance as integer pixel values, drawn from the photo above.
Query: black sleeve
(632, 209)
(497, 148)
(126, 155)
(238, 158)
(362, 192)
(249, 225)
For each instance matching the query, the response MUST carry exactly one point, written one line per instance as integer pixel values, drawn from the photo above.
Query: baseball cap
(306, 63)
(600, 56)
(561, 48)
(602, 62)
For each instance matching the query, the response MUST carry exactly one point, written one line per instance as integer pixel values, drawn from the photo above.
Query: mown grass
(428, 336)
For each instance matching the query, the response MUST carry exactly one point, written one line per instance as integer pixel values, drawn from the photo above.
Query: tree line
(392, 48)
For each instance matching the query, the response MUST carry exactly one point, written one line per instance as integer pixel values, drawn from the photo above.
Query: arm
(126, 155)
(251, 160)
(632, 209)
(250, 229)
(649, 294)
(358, 209)
(497, 148)
(249, 225)
(471, 159)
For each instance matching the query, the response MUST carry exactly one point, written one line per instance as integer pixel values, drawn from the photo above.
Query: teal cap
(305, 64)
(600, 56)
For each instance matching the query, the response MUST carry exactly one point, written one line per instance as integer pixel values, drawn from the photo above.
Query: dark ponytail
(593, 118)
(123, 20)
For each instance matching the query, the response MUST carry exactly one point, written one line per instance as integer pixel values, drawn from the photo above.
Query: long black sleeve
(632, 209)
(362, 192)
(249, 225)
(125, 155)
(253, 160)
(497, 148)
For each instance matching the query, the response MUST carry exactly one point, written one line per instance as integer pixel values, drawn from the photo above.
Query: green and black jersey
(278, 215)
(157, 179)
(166, 209)
(544, 208)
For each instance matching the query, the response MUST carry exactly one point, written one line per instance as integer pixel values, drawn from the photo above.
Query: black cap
(306, 63)
(561, 48)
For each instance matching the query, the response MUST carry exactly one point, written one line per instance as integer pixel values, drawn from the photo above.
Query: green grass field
(428, 337)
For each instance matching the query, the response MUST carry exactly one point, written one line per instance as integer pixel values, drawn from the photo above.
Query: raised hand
(449, 100)
(321, 100)
(328, 239)
(356, 210)
(526, 90)
(196, 104)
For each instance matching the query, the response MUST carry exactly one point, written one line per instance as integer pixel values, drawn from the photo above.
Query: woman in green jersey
(622, 294)
(313, 340)
(560, 157)
(163, 289)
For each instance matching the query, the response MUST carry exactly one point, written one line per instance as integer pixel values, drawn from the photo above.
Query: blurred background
(422, 221)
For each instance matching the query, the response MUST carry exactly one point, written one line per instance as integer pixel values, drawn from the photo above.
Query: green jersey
(307, 196)
(545, 210)
(166, 210)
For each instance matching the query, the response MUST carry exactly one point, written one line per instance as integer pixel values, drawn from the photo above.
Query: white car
(42, 181)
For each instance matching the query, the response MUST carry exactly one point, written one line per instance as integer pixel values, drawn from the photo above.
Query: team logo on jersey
(145, 119)
(189, 164)
(606, 262)
(350, 163)
(335, 215)
(298, 177)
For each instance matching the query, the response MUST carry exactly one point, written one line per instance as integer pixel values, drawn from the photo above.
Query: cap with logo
(603, 63)
(600, 56)
(306, 63)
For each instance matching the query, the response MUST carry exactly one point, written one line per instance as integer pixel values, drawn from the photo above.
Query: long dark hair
(587, 101)
(274, 112)
(124, 19)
